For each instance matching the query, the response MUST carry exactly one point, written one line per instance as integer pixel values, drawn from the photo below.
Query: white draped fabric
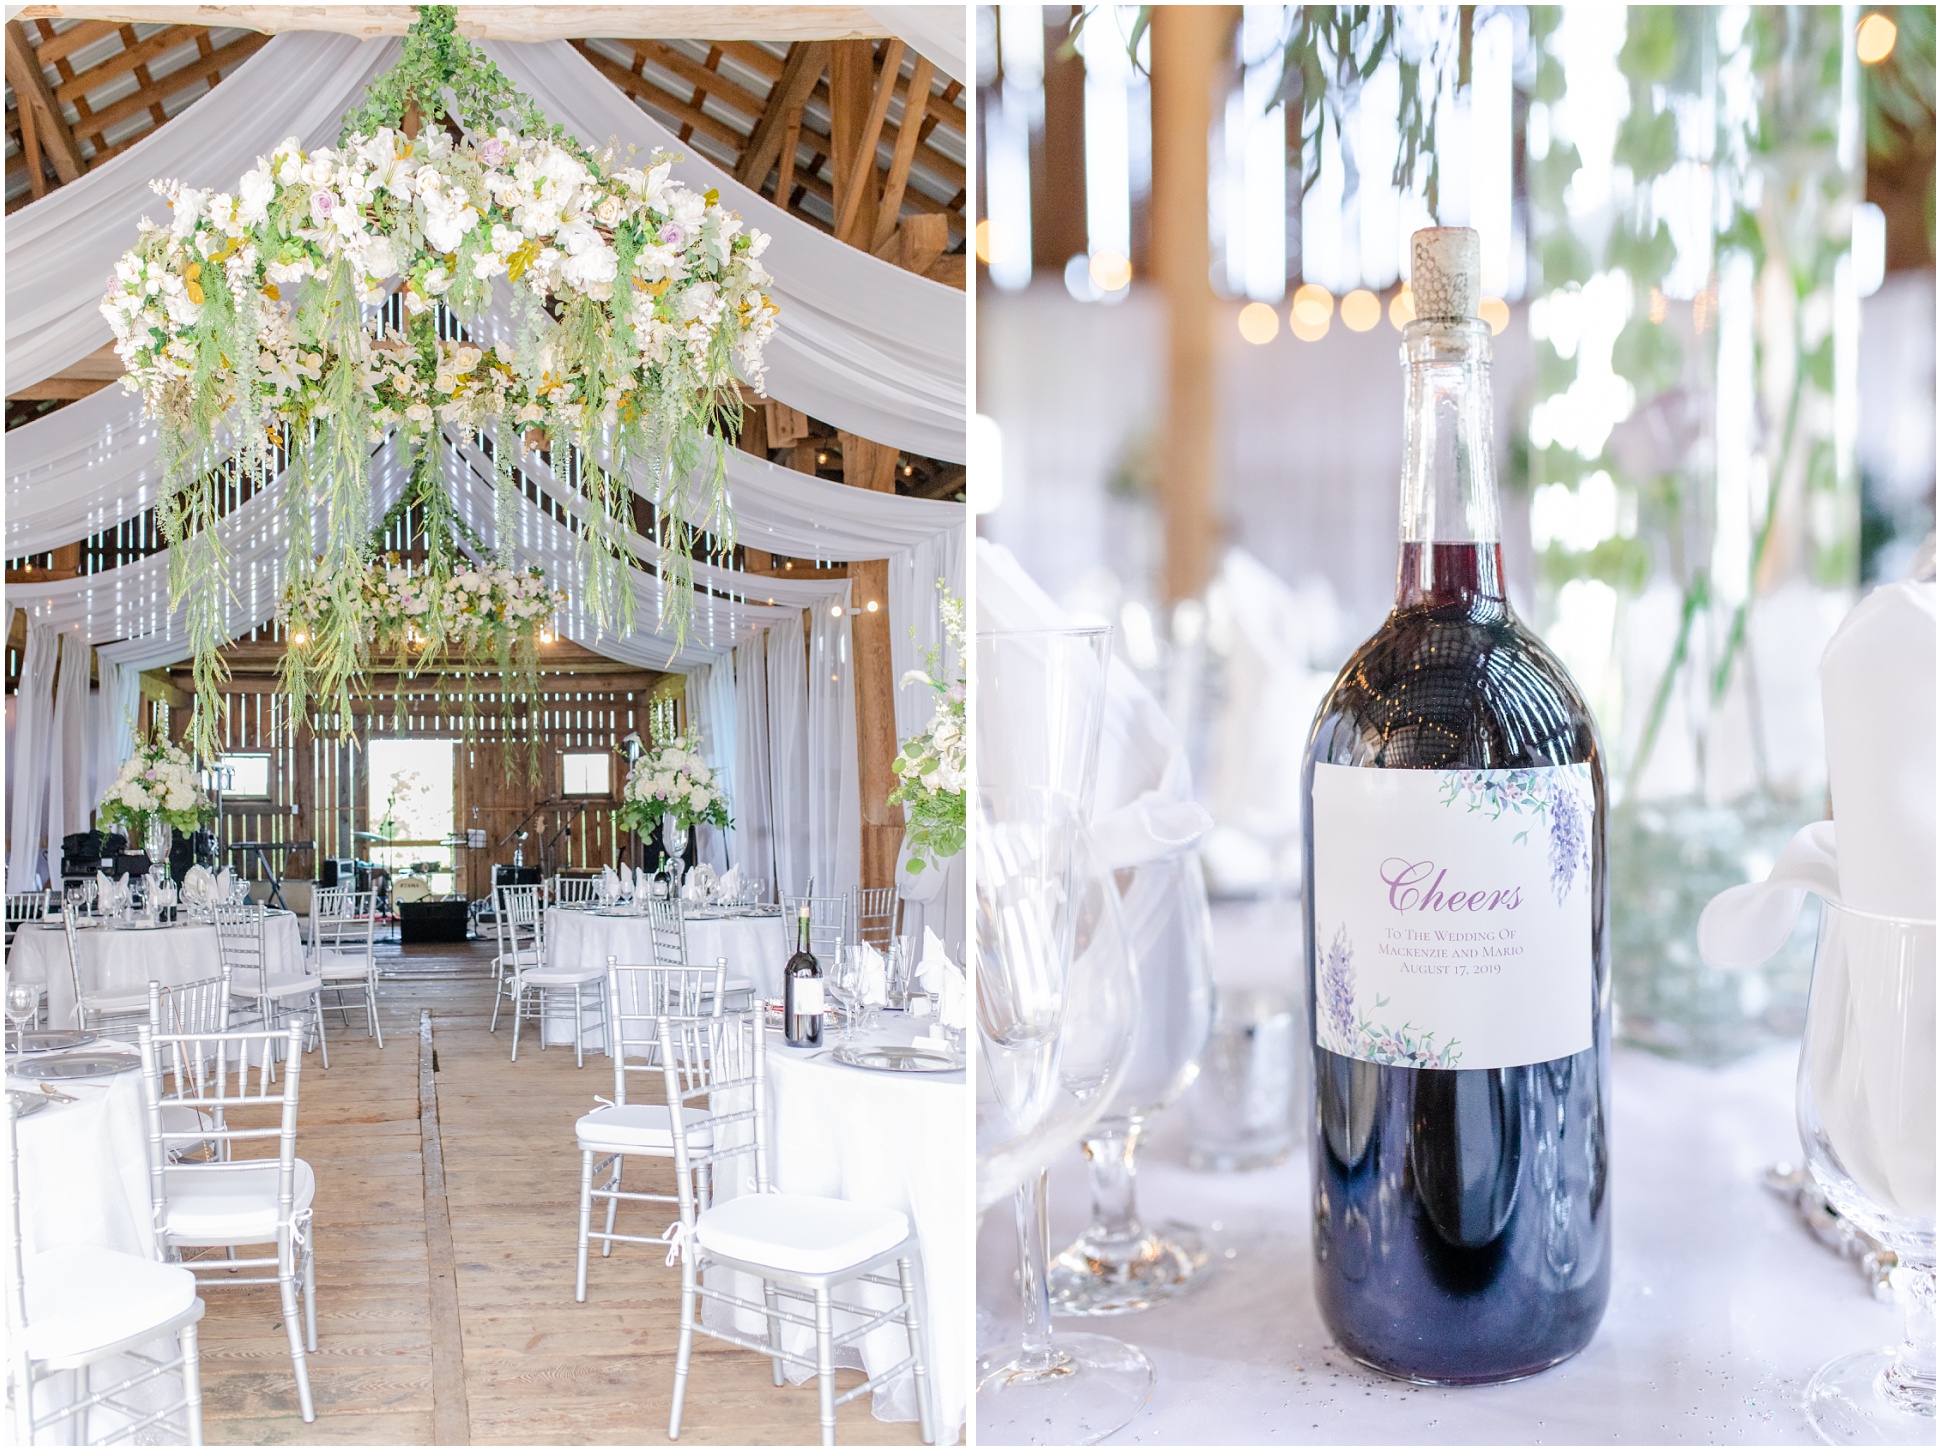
(33, 728)
(860, 343)
(62, 249)
(80, 470)
(70, 752)
(835, 801)
(117, 704)
(788, 759)
(917, 622)
(753, 834)
(935, 32)
(711, 713)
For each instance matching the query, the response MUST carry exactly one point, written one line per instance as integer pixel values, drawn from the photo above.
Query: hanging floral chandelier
(625, 309)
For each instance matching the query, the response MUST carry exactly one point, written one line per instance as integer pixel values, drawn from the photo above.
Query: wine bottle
(802, 991)
(1457, 976)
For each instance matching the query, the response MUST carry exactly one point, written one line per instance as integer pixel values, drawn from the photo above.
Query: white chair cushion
(346, 969)
(560, 976)
(289, 985)
(121, 1002)
(231, 1203)
(801, 1232)
(80, 1298)
(639, 1128)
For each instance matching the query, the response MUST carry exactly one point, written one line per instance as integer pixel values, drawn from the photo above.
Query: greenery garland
(637, 307)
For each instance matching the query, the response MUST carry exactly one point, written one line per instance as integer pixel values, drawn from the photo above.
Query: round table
(900, 1140)
(756, 947)
(117, 959)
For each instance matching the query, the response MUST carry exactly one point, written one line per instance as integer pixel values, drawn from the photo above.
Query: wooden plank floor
(538, 1369)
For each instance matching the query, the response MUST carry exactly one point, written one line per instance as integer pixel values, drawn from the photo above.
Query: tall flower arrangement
(672, 780)
(932, 768)
(623, 307)
(157, 782)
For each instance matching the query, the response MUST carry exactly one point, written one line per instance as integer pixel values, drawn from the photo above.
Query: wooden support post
(852, 94)
(870, 465)
(906, 149)
(783, 117)
(1058, 163)
(1187, 44)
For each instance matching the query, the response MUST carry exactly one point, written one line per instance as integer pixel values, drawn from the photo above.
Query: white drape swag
(33, 728)
(754, 830)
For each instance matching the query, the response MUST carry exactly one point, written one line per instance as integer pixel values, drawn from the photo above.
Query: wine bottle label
(808, 996)
(1452, 915)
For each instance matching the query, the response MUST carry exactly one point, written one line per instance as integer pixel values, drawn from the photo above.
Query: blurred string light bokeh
(1708, 249)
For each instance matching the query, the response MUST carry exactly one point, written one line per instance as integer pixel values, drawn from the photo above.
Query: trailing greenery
(254, 318)
(933, 767)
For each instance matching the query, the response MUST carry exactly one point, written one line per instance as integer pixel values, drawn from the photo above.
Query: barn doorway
(412, 802)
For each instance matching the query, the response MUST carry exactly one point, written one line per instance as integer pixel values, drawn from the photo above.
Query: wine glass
(1866, 1120)
(23, 1006)
(1057, 999)
(845, 987)
(1118, 1264)
(1041, 700)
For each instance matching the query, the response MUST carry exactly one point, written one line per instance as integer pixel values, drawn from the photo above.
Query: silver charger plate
(896, 1058)
(57, 1040)
(26, 1103)
(142, 926)
(77, 1065)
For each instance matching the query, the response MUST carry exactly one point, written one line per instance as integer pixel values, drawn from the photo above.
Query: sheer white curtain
(788, 755)
(753, 834)
(70, 763)
(711, 714)
(33, 729)
(917, 622)
(835, 805)
(117, 703)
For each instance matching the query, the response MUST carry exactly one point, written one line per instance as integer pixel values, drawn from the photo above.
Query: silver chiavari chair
(70, 1309)
(802, 1247)
(25, 907)
(637, 998)
(268, 1000)
(872, 916)
(828, 923)
(343, 951)
(519, 923)
(521, 911)
(573, 888)
(231, 1201)
(198, 1009)
(666, 929)
(100, 1008)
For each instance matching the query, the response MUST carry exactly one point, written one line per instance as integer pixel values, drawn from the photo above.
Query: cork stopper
(1446, 273)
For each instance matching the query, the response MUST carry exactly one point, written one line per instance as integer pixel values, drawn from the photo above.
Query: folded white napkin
(875, 988)
(693, 893)
(1743, 926)
(609, 885)
(730, 884)
(104, 892)
(643, 885)
(1877, 694)
(953, 1003)
(199, 887)
(225, 885)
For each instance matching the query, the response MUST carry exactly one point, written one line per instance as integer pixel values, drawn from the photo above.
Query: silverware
(1875, 1261)
(57, 1095)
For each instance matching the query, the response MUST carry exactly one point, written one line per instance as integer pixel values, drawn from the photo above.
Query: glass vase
(1694, 500)
(673, 837)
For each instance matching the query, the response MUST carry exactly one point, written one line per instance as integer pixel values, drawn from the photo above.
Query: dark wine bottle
(802, 992)
(1457, 975)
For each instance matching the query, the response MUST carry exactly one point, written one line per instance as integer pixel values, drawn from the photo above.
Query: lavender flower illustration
(1338, 989)
(1553, 795)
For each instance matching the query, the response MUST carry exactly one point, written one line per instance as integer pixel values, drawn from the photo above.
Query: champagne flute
(1057, 999)
(1866, 1120)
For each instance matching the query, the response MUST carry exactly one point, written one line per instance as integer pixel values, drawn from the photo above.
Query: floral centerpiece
(672, 780)
(622, 309)
(156, 791)
(932, 768)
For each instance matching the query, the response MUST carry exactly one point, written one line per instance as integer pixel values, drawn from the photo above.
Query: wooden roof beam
(906, 150)
(864, 169)
(806, 62)
(51, 132)
(206, 67)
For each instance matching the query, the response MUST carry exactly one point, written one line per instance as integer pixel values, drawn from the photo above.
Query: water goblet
(844, 982)
(1866, 1120)
(23, 1006)
(1057, 1000)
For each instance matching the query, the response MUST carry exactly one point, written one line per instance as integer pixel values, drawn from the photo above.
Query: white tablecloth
(895, 1139)
(112, 958)
(1722, 1306)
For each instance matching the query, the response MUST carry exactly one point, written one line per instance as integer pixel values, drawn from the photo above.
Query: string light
(1259, 323)
(871, 607)
(1361, 310)
(1874, 41)
(1495, 312)
(1401, 308)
